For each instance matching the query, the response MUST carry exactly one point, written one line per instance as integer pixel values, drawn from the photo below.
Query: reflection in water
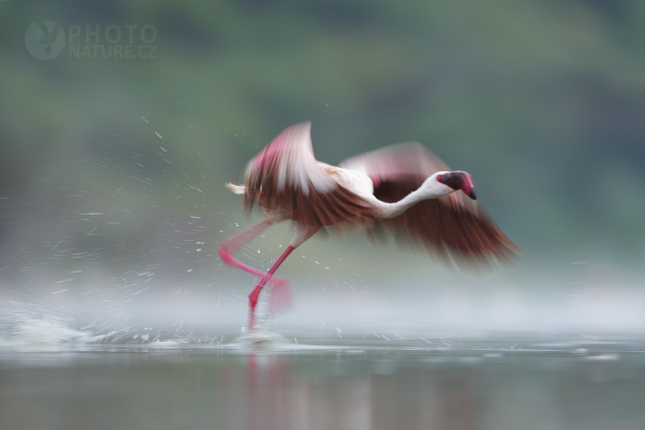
(346, 395)
(268, 392)
(372, 388)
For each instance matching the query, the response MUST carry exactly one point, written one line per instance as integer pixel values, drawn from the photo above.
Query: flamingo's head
(444, 183)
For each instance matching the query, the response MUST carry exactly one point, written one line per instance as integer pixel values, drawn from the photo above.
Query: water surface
(494, 381)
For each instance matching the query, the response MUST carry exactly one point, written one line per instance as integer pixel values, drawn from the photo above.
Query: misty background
(112, 167)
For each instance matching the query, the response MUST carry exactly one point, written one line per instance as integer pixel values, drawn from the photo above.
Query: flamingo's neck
(391, 210)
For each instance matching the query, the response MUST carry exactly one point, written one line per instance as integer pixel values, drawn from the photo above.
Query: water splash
(41, 333)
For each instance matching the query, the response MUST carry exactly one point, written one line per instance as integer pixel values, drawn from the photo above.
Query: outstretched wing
(391, 161)
(286, 178)
(452, 227)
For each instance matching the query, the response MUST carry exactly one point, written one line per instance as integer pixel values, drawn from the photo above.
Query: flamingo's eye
(439, 178)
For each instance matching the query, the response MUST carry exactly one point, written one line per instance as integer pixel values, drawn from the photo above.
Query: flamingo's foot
(280, 300)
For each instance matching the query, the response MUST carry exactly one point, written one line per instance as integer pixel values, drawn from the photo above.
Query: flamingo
(403, 189)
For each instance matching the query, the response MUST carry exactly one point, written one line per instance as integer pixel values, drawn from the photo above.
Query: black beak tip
(472, 194)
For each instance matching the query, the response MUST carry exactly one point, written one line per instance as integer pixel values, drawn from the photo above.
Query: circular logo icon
(45, 40)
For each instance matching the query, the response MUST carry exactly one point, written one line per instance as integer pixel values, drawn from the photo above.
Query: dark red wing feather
(443, 227)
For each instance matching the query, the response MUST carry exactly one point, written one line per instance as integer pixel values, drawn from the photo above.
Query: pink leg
(253, 297)
(280, 294)
(234, 243)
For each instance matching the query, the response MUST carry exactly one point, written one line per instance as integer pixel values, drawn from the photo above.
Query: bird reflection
(268, 392)
(271, 391)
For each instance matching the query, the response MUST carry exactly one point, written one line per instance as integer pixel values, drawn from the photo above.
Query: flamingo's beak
(460, 180)
(471, 193)
(468, 187)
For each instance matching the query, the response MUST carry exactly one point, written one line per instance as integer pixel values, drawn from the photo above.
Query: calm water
(485, 382)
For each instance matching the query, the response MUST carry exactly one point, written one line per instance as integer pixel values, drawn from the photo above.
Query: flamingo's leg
(234, 243)
(280, 293)
(253, 297)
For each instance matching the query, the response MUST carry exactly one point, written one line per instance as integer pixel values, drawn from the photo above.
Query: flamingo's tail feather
(237, 189)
